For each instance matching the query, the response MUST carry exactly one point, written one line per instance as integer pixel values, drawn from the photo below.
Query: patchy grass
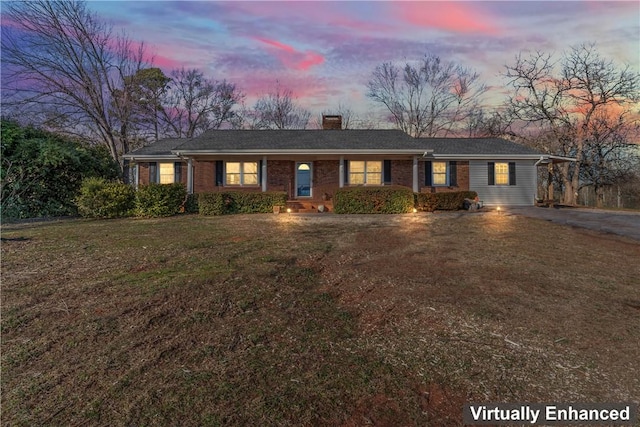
(311, 320)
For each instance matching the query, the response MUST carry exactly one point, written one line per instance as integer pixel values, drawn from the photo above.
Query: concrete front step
(304, 206)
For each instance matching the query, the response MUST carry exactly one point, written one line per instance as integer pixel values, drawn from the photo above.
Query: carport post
(550, 189)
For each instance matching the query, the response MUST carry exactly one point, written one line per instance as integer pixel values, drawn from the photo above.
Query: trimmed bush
(426, 202)
(234, 202)
(159, 200)
(100, 198)
(373, 200)
(447, 201)
(215, 203)
(191, 205)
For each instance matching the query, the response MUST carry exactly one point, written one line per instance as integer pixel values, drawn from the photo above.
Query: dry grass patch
(311, 320)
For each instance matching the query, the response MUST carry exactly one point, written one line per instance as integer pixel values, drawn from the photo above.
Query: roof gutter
(297, 152)
(149, 157)
(544, 160)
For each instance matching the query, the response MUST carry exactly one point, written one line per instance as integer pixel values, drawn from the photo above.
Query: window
(502, 173)
(439, 173)
(365, 172)
(164, 173)
(241, 173)
(167, 173)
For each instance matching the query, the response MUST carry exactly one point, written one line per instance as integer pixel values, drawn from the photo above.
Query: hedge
(100, 198)
(373, 200)
(159, 200)
(237, 202)
(429, 202)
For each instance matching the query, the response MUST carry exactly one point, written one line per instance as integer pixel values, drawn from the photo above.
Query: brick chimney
(331, 122)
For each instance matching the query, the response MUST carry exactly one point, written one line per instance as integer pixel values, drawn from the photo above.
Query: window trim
(242, 174)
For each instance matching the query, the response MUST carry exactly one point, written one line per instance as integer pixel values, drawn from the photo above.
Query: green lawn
(311, 320)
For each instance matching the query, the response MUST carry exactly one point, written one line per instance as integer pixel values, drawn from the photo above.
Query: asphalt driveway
(624, 223)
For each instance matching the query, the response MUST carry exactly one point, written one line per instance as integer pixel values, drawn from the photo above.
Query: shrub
(367, 200)
(158, 200)
(215, 203)
(426, 202)
(233, 202)
(41, 172)
(102, 199)
(448, 201)
(191, 205)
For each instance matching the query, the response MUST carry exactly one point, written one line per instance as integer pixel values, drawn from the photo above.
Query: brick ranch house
(310, 165)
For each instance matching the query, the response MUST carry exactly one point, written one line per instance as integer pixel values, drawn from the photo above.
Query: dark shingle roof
(220, 140)
(162, 147)
(476, 146)
(293, 140)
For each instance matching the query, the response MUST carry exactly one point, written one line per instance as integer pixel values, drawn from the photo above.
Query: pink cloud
(456, 17)
(166, 63)
(277, 44)
(292, 58)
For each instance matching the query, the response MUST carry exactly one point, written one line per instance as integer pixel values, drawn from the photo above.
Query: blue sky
(325, 51)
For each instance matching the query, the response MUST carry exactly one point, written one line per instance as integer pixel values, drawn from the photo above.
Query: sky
(326, 51)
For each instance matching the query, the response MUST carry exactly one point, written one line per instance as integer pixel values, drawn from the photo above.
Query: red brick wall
(326, 178)
(402, 173)
(463, 176)
(143, 173)
(204, 176)
(280, 175)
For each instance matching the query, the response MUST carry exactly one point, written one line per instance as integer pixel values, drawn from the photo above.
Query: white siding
(521, 194)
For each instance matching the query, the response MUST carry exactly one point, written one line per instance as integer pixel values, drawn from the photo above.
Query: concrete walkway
(624, 223)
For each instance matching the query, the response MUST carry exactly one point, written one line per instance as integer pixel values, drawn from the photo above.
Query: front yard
(311, 320)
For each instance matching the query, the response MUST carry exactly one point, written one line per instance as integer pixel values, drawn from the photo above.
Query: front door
(303, 179)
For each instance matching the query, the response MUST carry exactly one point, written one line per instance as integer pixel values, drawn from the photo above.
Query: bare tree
(62, 62)
(565, 98)
(147, 88)
(481, 123)
(278, 110)
(608, 156)
(194, 103)
(427, 98)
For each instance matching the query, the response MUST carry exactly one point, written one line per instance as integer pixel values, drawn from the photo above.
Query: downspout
(415, 174)
(136, 172)
(190, 176)
(539, 161)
